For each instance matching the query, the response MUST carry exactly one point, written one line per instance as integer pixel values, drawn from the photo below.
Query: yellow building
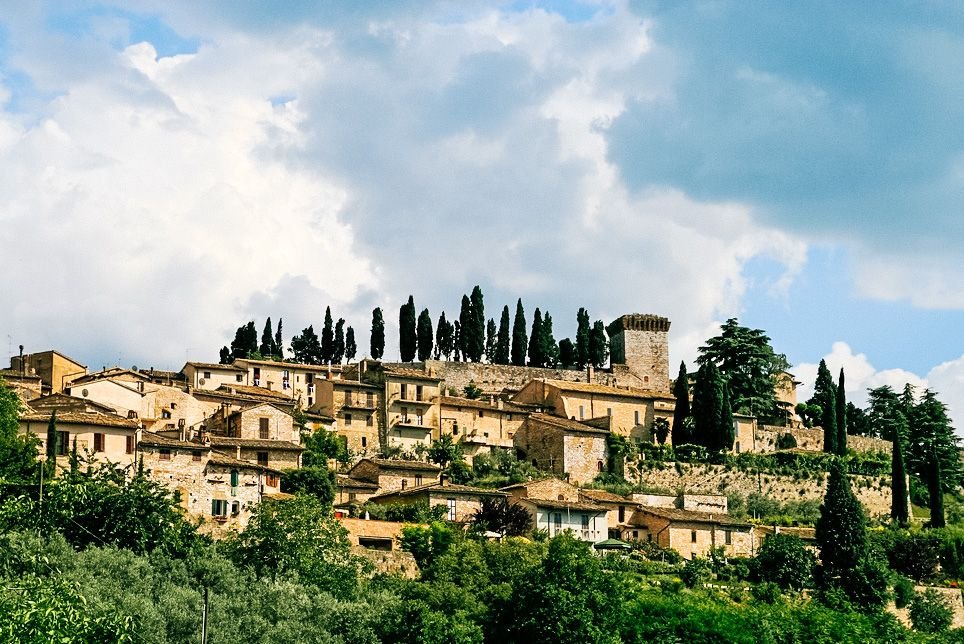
(461, 501)
(411, 407)
(209, 375)
(632, 411)
(480, 425)
(356, 408)
(692, 534)
(569, 449)
(54, 368)
(295, 381)
(106, 437)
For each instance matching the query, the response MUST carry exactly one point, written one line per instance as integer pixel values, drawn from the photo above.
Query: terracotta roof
(108, 374)
(290, 365)
(449, 488)
(255, 405)
(212, 365)
(564, 505)
(342, 480)
(691, 516)
(398, 464)
(255, 392)
(223, 441)
(228, 396)
(515, 486)
(152, 439)
(602, 496)
(223, 460)
(567, 424)
(44, 403)
(405, 372)
(593, 388)
(84, 418)
(510, 408)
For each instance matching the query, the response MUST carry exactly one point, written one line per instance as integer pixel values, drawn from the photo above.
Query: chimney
(498, 402)
(328, 373)
(443, 479)
(590, 372)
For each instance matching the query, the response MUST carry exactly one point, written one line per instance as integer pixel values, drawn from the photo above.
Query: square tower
(639, 344)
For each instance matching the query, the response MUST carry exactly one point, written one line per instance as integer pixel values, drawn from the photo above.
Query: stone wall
(395, 562)
(585, 457)
(873, 492)
(765, 440)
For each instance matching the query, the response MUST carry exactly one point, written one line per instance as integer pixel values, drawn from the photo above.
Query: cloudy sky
(171, 170)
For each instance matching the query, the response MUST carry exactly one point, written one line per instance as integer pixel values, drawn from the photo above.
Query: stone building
(277, 454)
(209, 375)
(392, 474)
(690, 533)
(480, 425)
(297, 382)
(262, 421)
(460, 501)
(639, 351)
(555, 506)
(54, 369)
(567, 448)
(356, 407)
(619, 509)
(411, 407)
(350, 490)
(63, 403)
(107, 437)
(632, 411)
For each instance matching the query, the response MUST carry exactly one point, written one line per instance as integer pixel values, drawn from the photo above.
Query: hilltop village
(223, 436)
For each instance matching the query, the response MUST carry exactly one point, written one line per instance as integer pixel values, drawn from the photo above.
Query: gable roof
(345, 481)
(48, 402)
(446, 488)
(54, 352)
(109, 373)
(255, 443)
(691, 516)
(526, 484)
(398, 464)
(151, 439)
(289, 365)
(579, 506)
(256, 392)
(84, 418)
(255, 405)
(223, 460)
(507, 407)
(567, 424)
(602, 496)
(603, 390)
(211, 365)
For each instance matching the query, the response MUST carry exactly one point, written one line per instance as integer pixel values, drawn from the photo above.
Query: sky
(169, 171)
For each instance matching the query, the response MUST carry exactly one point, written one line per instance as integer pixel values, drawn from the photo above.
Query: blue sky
(171, 170)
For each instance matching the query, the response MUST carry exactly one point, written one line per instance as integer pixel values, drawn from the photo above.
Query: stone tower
(639, 350)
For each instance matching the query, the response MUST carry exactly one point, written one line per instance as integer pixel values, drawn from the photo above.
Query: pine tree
(267, 341)
(245, 341)
(933, 451)
(407, 333)
(477, 344)
(377, 342)
(490, 340)
(306, 348)
(351, 347)
(52, 444)
(502, 343)
(225, 357)
(424, 335)
(466, 328)
(708, 407)
(328, 339)
(841, 405)
(898, 480)
(841, 529)
(598, 344)
(825, 396)
(582, 338)
(536, 343)
(550, 350)
(520, 341)
(279, 347)
(339, 345)
(567, 353)
(682, 392)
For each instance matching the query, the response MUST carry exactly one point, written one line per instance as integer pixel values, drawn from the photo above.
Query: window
(418, 418)
(728, 537)
(173, 405)
(263, 429)
(369, 421)
(404, 394)
(352, 496)
(582, 412)
(219, 508)
(207, 374)
(347, 420)
(693, 536)
(263, 459)
(622, 513)
(369, 400)
(63, 443)
(404, 414)
(455, 429)
(165, 413)
(348, 398)
(585, 522)
(557, 520)
(235, 477)
(98, 442)
(481, 414)
(737, 447)
(509, 417)
(451, 504)
(130, 444)
(609, 411)
(238, 377)
(235, 508)
(364, 442)
(599, 466)
(636, 417)
(418, 392)
(196, 456)
(404, 484)
(311, 401)
(271, 480)
(165, 454)
(418, 479)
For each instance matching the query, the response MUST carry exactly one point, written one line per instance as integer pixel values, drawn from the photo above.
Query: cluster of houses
(221, 435)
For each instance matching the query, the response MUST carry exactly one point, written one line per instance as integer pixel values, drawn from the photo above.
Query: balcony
(412, 423)
(427, 402)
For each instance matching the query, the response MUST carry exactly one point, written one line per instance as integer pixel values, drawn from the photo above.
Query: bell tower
(639, 347)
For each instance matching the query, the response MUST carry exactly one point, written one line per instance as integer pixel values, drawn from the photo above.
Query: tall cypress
(279, 347)
(598, 344)
(457, 340)
(520, 341)
(582, 338)
(327, 339)
(52, 446)
(466, 328)
(898, 480)
(935, 491)
(567, 353)
(536, 343)
(841, 404)
(825, 396)
(377, 342)
(266, 349)
(351, 347)
(708, 407)
(727, 432)
(550, 350)
(407, 334)
(424, 335)
(444, 336)
(841, 528)
(681, 389)
(477, 344)
(490, 340)
(338, 351)
(502, 342)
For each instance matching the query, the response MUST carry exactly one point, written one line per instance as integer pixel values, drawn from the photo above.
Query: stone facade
(106, 437)
(639, 347)
(551, 488)
(296, 381)
(279, 455)
(390, 475)
(262, 421)
(765, 439)
(461, 501)
(411, 408)
(480, 425)
(206, 375)
(692, 534)
(54, 368)
(356, 408)
(566, 448)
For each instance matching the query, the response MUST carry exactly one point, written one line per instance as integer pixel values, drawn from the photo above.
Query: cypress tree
(520, 341)
(550, 350)
(250, 339)
(598, 344)
(466, 328)
(52, 446)
(707, 407)
(327, 339)
(279, 347)
(841, 405)
(825, 396)
(424, 333)
(477, 344)
(490, 340)
(727, 432)
(841, 529)
(225, 356)
(377, 343)
(567, 353)
(536, 342)
(935, 491)
(351, 348)
(457, 340)
(898, 481)
(444, 335)
(681, 389)
(502, 342)
(933, 451)
(407, 334)
(266, 349)
(338, 353)
(582, 338)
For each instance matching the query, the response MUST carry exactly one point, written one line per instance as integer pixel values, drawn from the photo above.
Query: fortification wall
(765, 440)
(873, 492)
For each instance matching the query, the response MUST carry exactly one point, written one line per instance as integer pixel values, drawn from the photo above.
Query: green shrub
(930, 612)
(767, 592)
(903, 591)
(696, 572)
